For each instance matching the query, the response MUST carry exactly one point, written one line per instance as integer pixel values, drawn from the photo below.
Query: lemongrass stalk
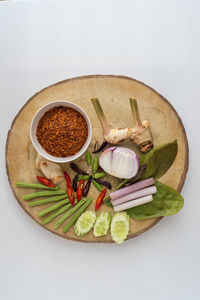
(135, 113)
(133, 203)
(101, 116)
(135, 195)
(132, 188)
(111, 135)
(141, 134)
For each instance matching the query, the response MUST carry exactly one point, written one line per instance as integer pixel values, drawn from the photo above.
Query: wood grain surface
(114, 93)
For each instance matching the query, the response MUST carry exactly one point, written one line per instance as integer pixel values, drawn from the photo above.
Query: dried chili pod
(99, 170)
(77, 170)
(87, 187)
(105, 183)
(75, 183)
(103, 145)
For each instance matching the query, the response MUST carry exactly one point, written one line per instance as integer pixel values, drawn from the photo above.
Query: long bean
(97, 185)
(57, 213)
(43, 194)
(35, 186)
(69, 213)
(45, 211)
(47, 200)
(77, 215)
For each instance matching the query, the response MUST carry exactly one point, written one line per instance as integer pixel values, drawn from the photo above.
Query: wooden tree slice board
(114, 93)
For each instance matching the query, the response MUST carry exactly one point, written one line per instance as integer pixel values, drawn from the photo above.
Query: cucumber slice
(84, 223)
(119, 227)
(102, 223)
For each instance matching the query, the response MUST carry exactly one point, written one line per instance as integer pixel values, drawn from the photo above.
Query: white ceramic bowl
(33, 130)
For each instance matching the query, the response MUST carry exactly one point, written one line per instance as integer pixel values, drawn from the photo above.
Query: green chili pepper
(97, 185)
(84, 177)
(88, 157)
(95, 164)
(99, 175)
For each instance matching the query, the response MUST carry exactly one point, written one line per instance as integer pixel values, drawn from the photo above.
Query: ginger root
(50, 169)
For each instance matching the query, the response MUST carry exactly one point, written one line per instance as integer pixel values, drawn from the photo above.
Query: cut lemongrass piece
(133, 203)
(84, 223)
(119, 227)
(132, 188)
(135, 195)
(102, 223)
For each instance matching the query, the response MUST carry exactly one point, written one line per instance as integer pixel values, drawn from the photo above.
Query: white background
(157, 42)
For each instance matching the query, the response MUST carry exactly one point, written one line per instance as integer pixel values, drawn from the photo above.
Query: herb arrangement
(139, 195)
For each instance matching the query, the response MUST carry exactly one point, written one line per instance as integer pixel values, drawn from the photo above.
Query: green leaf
(166, 201)
(159, 160)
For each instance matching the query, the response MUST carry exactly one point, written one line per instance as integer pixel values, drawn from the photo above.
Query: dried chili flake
(62, 131)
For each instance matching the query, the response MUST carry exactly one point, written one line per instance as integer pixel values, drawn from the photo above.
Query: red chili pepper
(100, 199)
(46, 181)
(80, 190)
(70, 191)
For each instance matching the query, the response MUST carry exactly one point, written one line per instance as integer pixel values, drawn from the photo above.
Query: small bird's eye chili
(62, 131)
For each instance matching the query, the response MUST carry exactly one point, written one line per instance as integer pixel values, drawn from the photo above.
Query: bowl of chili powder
(61, 131)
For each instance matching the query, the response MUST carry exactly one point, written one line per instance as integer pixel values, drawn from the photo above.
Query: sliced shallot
(120, 162)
